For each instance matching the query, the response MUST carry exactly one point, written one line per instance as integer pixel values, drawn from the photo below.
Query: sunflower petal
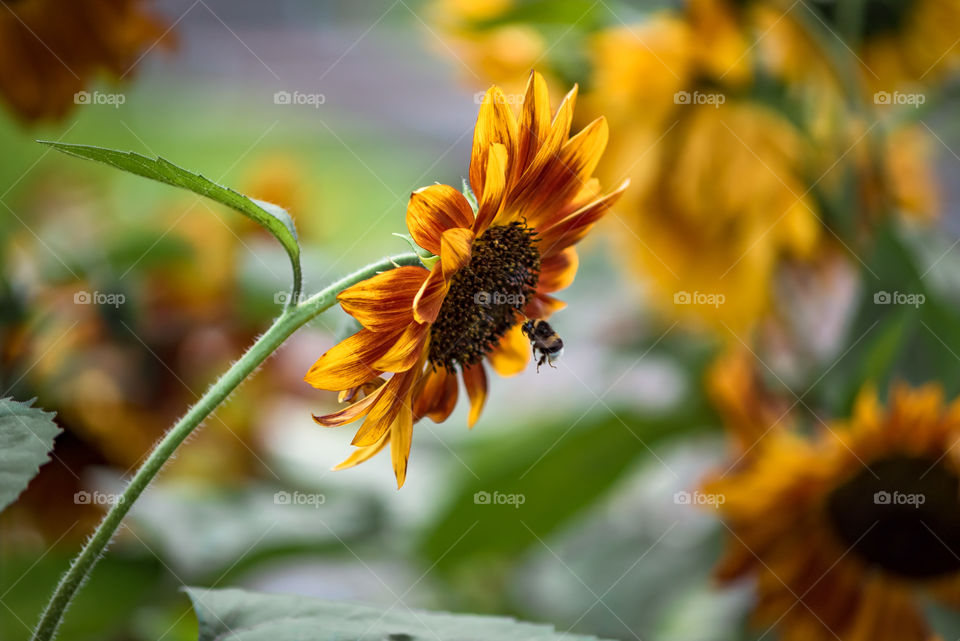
(350, 362)
(534, 123)
(558, 270)
(491, 200)
(569, 231)
(495, 124)
(426, 304)
(401, 436)
(350, 413)
(394, 398)
(455, 247)
(385, 301)
(433, 210)
(543, 306)
(512, 353)
(475, 380)
(365, 453)
(405, 351)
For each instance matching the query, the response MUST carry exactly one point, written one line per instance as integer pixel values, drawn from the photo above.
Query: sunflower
(50, 50)
(846, 532)
(493, 267)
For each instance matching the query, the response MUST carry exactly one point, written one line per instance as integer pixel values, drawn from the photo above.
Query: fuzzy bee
(544, 340)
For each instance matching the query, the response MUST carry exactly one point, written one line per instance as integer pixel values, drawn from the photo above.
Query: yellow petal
(543, 306)
(426, 304)
(455, 247)
(433, 210)
(557, 237)
(438, 397)
(394, 398)
(534, 124)
(512, 353)
(350, 362)
(495, 124)
(385, 301)
(557, 271)
(351, 413)
(475, 380)
(405, 351)
(362, 454)
(491, 200)
(401, 436)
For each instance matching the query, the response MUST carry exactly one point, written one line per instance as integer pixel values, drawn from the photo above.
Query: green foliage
(558, 470)
(26, 438)
(273, 218)
(226, 615)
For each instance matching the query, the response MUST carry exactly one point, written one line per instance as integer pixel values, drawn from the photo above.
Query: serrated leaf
(237, 615)
(26, 438)
(274, 219)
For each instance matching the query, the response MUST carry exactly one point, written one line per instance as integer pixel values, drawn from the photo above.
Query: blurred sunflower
(493, 268)
(50, 50)
(844, 534)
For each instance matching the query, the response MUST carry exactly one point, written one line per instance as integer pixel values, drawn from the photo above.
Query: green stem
(292, 318)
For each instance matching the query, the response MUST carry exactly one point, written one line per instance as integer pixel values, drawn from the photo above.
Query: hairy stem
(292, 318)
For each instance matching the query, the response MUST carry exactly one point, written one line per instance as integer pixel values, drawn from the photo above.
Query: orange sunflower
(845, 534)
(492, 268)
(49, 49)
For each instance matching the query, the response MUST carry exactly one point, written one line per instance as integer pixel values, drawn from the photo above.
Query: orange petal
(362, 454)
(385, 301)
(438, 396)
(405, 351)
(475, 380)
(433, 210)
(426, 304)
(401, 436)
(557, 271)
(495, 124)
(395, 396)
(491, 200)
(543, 306)
(534, 124)
(455, 247)
(569, 231)
(350, 362)
(350, 395)
(512, 353)
(350, 413)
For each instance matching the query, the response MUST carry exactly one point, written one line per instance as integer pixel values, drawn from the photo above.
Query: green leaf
(275, 219)
(237, 615)
(26, 438)
(554, 473)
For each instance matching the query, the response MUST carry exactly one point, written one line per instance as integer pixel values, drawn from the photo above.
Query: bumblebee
(544, 341)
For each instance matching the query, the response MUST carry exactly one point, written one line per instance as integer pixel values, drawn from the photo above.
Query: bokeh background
(781, 196)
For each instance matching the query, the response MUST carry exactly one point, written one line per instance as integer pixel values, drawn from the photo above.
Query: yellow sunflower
(495, 267)
(50, 50)
(845, 533)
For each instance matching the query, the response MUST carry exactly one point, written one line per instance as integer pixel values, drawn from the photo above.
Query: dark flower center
(903, 515)
(485, 296)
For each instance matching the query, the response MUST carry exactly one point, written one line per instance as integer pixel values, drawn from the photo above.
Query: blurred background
(793, 198)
